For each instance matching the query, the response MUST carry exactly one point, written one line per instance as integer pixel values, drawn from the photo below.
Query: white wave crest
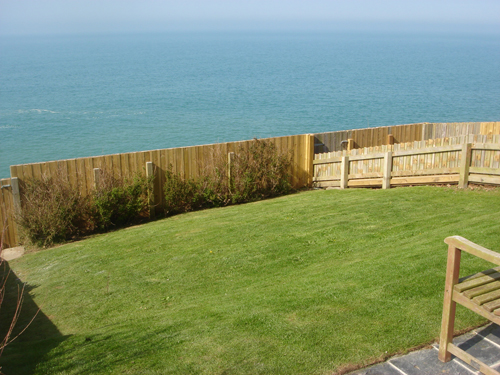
(36, 111)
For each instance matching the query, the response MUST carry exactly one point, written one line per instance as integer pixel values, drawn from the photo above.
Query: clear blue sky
(117, 16)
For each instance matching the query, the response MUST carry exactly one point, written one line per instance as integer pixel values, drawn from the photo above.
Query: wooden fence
(472, 158)
(372, 161)
(190, 162)
(384, 135)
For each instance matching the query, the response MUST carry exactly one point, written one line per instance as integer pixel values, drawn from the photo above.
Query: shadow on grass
(24, 354)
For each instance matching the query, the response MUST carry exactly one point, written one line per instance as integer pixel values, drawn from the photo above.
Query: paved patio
(483, 343)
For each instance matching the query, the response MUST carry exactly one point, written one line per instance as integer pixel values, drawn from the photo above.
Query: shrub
(54, 211)
(257, 173)
(261, 172)
(183, 195)
(118, 202)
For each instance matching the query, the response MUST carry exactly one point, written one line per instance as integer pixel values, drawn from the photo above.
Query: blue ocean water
(72, 96)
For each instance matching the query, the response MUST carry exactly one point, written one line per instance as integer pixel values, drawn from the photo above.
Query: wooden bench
(479, 293)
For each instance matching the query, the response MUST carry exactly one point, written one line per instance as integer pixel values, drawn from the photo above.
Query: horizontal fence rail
(452, 160)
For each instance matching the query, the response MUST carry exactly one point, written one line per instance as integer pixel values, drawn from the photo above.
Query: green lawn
(304, 284)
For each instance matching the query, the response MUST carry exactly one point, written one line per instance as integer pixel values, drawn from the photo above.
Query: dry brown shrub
(52, 210)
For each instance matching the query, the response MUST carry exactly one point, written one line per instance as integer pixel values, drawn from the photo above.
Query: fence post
(151, 193)
(465, 165)
(344, 172)
(16, 196)
(230, 161)
(97, 177)
(386, 179)
(390, 139)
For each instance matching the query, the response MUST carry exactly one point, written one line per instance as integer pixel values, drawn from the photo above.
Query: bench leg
(447, 329)
(449, 306)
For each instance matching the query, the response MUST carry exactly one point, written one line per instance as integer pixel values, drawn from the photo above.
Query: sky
(38, 17)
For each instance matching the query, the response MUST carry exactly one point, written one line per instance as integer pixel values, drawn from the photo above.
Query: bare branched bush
(7, 336)
(52, 211)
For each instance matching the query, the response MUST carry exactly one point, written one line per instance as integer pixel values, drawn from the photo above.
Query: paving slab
(12, 253)
(491, 332)
(483, 343)
(382, 369)
(482, 349)
(426, 362)
(457, 360)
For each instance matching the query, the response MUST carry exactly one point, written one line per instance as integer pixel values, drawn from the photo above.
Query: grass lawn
(304, 284)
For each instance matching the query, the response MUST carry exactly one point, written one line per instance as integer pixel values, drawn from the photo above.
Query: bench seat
(479, 292)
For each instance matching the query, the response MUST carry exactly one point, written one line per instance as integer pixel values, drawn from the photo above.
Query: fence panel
(418, 162)
(454, 129)
(369, 137)
(331, 141)
(488, 128)
(372, 137)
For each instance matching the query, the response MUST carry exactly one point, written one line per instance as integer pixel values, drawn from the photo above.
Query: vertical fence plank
(187, 162)
(124, 164)
(141, 162)
(201, 161)
(301, 166)
(27, 171)
(81, 177)
(37, 171)
(107, 164)
(163, 166)
(156, 160)
(170, 159)
(151, 193)
(72, 173)
(179, 161)
(134, 163)
(97, 178)
(88, 172)
(117, 166)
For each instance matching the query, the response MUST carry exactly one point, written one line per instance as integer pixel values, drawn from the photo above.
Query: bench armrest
(474, 249)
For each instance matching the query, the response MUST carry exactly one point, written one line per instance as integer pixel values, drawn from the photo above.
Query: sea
(70, 96)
